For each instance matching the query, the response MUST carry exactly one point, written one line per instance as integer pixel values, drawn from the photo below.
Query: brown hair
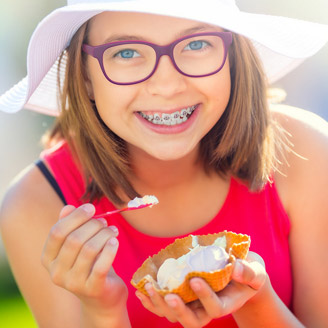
(241, 143)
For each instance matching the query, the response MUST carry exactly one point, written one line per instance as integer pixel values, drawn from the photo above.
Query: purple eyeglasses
(131, 62)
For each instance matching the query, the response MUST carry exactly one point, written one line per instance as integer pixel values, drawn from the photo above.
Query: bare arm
(304, 193)
(29, 212)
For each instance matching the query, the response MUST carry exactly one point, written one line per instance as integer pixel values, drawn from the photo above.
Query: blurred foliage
(8, 287)
(14, 313)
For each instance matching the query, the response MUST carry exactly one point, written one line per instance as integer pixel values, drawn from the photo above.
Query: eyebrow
(197, 29)
(128, 37)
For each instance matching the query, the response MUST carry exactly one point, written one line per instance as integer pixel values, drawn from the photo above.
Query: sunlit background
(20, 133)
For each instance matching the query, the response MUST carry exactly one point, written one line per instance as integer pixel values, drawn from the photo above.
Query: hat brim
(282, 43)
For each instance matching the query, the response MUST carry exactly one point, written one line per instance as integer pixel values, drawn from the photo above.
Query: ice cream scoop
(200, 258)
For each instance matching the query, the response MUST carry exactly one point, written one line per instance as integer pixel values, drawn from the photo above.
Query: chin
(163, 151)
(170, 154)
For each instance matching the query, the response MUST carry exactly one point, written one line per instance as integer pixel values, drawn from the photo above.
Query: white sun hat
(282, 43)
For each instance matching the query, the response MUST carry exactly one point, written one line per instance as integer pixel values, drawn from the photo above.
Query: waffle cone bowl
(237, 247)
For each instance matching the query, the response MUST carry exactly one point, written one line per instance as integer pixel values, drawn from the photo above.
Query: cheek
(100, 88)
(111, 100)
(218, 90)
(222, 93)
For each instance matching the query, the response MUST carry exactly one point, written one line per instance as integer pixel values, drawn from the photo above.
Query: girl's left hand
(249, 277)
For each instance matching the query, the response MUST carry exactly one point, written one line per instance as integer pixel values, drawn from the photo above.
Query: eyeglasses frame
(98, 51)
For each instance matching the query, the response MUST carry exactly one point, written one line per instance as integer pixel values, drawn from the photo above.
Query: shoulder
(296, 120)
(28, 211)
(302, 172)
(28, 194)
(305, 159)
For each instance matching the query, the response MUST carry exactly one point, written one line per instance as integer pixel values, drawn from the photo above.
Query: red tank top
(260, 215)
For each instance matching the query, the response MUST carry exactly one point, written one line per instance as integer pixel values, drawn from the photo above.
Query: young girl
(168, 98)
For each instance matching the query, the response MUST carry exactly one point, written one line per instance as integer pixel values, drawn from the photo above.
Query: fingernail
(171, 300)
(195, 285)
(149, 289)
(114, 229)
(88, 208)
(104, 221)
(113, 241)
(139, 296)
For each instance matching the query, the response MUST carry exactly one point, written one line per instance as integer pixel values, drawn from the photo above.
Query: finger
(233, 297)
(213, 305)
(74, 243)
(91, 250)
(216, 305)
(148, 304)
(66, 210)
(158, 304)
(75, 217)
(248, 279)
(48, 253)
(252, 274)
(157, 301)
(62, 228)
(183, 314)
(103, 264)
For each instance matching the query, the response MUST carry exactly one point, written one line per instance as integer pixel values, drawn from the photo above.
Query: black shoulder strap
(51, 180)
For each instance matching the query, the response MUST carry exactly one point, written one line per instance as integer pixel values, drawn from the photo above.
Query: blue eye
(197, 45)
(127, 54)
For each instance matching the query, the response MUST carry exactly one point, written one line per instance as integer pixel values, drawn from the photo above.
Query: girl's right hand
(79, 253)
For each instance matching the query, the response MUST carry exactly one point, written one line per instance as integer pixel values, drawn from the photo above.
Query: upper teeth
(169, 119)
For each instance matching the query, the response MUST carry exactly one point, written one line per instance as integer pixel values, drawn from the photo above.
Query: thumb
(252, 274)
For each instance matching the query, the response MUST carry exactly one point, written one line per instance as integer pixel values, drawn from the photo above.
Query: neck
(188, 196)
(154, 174)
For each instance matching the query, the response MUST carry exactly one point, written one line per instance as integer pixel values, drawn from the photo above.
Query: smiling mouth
(175, 118)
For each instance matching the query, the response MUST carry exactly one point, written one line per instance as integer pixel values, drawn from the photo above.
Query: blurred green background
(20, 133)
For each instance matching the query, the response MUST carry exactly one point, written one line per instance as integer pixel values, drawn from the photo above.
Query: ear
(89, 88)
(88, 83)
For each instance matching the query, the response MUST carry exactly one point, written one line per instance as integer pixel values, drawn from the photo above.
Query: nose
(166, 80)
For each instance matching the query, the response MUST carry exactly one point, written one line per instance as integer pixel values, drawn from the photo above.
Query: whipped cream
(172, 272)
(136, 202)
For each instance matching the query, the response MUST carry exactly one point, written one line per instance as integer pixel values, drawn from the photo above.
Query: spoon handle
(106, 214)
